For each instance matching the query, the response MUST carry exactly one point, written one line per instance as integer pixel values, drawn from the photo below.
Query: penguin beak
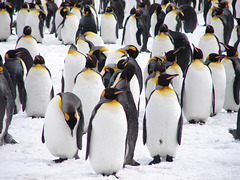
(171, 77)
(118, 92)
(224, 45)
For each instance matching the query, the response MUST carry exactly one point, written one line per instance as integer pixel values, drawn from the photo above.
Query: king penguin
(107, 133)
(21, 19)
(209, 42)
(28, 42)
(5, 19)
(231, 63)
(197, 90)
(39, 88)
(88, 87)
(62, 130)
(73, 64)
(157, 19)
(219, 80)
(6, 106)
(162, 129)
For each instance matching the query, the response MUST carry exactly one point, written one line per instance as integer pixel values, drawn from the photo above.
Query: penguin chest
(21, 21)
(108, 28)
(129, 32)
(33, 21)
(82, 46)
(153, 23)
(170, 20)
(161, 122)
(234, 36)
(5, 20)
(150, 86)
(30, 44)
(108, 138)
(161, 44)
(135, 89)
(57, 133)
(38, 87)
(197, 97)
(218, 28)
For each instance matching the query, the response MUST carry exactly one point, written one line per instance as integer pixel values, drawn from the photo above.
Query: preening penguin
(63, 126)
(28, 42)
(88, 87)
(6, 106)
(231, 63)
(197, 90)
(107, 133)
(73, 64)
(219, 80)
(39, 88)
(162, 129)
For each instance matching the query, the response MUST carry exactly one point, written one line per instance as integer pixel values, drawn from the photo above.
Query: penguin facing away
(107, 132)
(39, 88)
(63, 126)
(162, 134)
(6, 106)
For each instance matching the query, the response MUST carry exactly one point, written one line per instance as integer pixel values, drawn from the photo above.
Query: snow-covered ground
(207, 151)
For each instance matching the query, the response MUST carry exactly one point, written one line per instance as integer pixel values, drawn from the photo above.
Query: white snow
(207, 152)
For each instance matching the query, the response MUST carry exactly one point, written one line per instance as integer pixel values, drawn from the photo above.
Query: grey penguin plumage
(63, 126)
(236, 132)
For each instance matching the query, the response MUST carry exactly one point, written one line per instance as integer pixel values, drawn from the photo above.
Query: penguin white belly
(218, 28)
(208, 44)
(153, 24)
(135, 89)
(150, 87)
(4, 127)
(108, 29)
(170, 21)
(114, 57)
(128, 36)
(30, 44)
(57, 133)
(229, 102)
(219, 84)
(209, 17)
(108, 138)
(5, 20)
(58, 20)
(21, 21)
(197, 97)
(76, 12)
(69, 29)
(74, 63)
(82, 46)
(161, 123)
(234, 36)
(133, 34)
(38, 87)
(161, 44)
(88, 88)
(33, 21)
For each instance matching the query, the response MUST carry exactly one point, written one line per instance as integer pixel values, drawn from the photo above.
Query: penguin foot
(201, 122)
(169, 158)
(114, 174)
(229, 111)
(192, 121)
(132, 163)
(8, 139)
(145, 50)
(156, 160)
(234, 134)
(60, 160)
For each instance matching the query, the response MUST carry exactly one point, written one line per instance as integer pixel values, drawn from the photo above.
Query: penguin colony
(101, 89)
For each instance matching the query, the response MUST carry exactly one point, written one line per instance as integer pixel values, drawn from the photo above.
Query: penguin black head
(27, 30)
(165, 79)
(171, 55)
(64, 4)
(197, 53)
(128, 72)
(87, 10)
(111, 93)
(164, 28)
(91, 61)
(223, 4)
(133, 11)
(214, 57)
(152, 63)
(217, 11)
(109, 9)
(132, 51)
(121, 64)
(64, 11)
(1, 60)
(138, 13)
(25, 5)
(159, 67)
(231, 51)
(10, 54)
(39, 60)
(170, 8)
(209, 29)
(78, 5)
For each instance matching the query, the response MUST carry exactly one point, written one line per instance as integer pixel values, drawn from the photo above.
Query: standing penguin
(73, 64)
(50, 18)
(5, 19)
(162, 134)
(28, 42)
(107, 132)
(63, 126)
(162, 42)
(21, 19)
(197, 91)
(6, 106)
(219, 80)
(209, 42)
(36, 19)
(109, 27)
(118, 7)
(231, 63)
(39, 88)
(18, 71)
(157, 19)
(88, 87)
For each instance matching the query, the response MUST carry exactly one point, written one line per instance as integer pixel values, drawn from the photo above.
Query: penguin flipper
(124, 29)
(63, 84)
(236, 84)
(138, 34)
(179, 129)
(52, 93)
(43, 138)
(144, 130)
(23, 93)
(80, 128)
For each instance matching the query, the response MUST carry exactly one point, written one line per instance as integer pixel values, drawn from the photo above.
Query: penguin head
(214, 57)
(217, 11)
(165, 79)
(171, 55)
(209, 29)
(197, 53)
(231, 51)
(158, 9)
(91, 61)
(25, 5)
(11, 54)
(133, 11)
(64, 11)
(128, 72)
(131, 50)
(111, 93)
(109, 9)
(89, 2)
(164, 28)
(87, 10)
(78, 5)
(121, 64)
(170, 7)
(223, 4)
(27, 30)
(72, 48)
(38, 60)
(159, 67)
(99, 50)
(138, 13)
(152, 62)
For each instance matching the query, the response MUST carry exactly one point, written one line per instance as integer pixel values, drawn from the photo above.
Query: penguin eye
(66, 116)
